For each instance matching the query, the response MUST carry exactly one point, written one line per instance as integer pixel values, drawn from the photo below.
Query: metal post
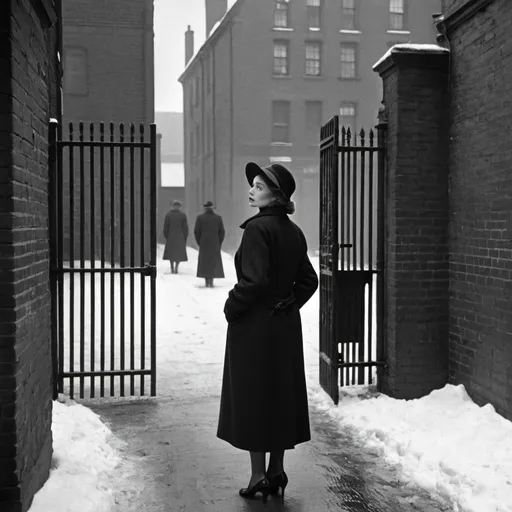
(381, 253)
(54, 247)
(153, 184)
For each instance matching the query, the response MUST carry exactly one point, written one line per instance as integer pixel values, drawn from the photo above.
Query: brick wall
(27, 58)
(481, 209)
(117, 37)
(416, 250)
(119, 59)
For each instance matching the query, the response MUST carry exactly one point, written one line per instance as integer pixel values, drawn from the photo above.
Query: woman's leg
(172, 267)
(276, 463)
(176, 265)
(257, 467)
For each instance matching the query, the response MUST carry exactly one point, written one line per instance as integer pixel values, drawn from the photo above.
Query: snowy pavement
(370, 453)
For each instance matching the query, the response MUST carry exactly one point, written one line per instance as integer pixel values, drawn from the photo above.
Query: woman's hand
(229, 314)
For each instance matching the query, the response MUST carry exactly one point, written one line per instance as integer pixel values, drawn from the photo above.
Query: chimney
(189, 44)
(215, 10)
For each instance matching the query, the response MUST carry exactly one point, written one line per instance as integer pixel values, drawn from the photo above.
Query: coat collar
(264, 212)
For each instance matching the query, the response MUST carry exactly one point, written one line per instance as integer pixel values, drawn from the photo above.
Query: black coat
(264, 405)
(209, 232)
(176, 234)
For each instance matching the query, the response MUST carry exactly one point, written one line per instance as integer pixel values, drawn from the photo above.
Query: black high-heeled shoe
(276, 482)
(262, 486)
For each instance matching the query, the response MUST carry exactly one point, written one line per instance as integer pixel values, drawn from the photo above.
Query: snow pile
(444, 442)
(411, 48)
(83, 462)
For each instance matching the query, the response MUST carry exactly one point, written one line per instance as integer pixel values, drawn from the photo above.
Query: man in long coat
(209, 233)
(176, 234)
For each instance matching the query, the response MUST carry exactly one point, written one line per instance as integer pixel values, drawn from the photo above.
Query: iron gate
(351, 256)
(103, 259)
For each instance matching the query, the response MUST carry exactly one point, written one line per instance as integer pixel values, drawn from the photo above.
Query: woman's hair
(280, 200)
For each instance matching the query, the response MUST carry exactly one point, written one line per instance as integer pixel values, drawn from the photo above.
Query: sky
(171, 20)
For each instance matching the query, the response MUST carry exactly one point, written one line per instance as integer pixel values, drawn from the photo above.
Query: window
(280, 121)
(348, 60)
(348, 117)
(191, 93)
(198, 140)
(75, 71)
(282, 13)
(314, 9)
(197, 86)
(208, 68)
(396, 14)
(349, 15)
(280, 57)
(313, 58)
(313, 119)
(210, 135)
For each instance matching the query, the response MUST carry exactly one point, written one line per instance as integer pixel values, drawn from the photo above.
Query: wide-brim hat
(277, 174)
(208, 204)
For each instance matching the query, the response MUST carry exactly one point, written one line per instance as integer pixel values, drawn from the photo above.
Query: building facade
(108, 61)
(269, 74)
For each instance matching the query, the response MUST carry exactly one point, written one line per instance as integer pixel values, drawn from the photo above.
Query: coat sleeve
(222, 231)
(254, 267)
(184, 228)
(306, 282)
(166, 227)
(197, 231)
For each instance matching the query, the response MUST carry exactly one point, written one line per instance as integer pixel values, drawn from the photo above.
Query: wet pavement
(173, 460)
(178, 464)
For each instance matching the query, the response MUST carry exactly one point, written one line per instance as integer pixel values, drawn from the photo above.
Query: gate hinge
(149, 270)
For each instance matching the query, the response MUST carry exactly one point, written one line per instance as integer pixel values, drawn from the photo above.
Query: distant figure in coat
(176, 234)
(264, 403)
(209, 232)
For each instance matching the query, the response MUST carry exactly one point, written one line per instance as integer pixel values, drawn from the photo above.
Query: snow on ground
(443, 442)
(84, 462)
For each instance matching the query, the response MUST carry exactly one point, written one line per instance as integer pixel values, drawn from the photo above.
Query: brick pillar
(416, 241)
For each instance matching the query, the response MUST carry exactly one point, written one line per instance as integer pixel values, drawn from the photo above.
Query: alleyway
(180, 465)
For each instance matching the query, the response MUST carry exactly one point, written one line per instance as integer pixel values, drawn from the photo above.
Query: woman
(264, 405)
(175, 234)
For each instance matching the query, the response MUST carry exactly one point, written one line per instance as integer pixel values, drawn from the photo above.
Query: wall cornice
(459, 13)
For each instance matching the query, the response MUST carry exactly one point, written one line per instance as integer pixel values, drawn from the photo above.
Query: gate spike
(361, 135)
(343, 135)
(349, 136)
(370, 137)
(111, 131)
(91, 131)
(121, 131)
(132, 132)
(102, 131)
(81, 130)
(141, 129)
(70, 130)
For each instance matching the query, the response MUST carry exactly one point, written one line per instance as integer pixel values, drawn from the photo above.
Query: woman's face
(259, 194)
